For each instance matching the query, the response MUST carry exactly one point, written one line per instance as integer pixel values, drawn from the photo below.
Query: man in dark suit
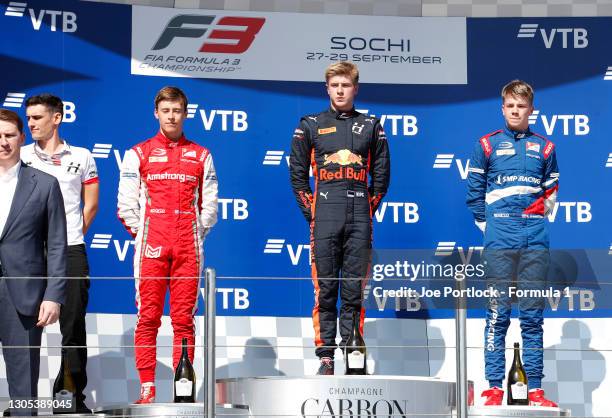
(32, 258)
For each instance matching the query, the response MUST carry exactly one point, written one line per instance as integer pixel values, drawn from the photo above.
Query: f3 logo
(241, 39)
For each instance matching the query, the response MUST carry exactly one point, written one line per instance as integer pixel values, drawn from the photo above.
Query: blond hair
(345, 68)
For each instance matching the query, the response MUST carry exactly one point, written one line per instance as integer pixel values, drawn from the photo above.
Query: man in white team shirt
(75, 169)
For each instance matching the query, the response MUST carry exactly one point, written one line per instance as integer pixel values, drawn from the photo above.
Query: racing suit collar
(168, 142)
(343, 115)
(517, 134)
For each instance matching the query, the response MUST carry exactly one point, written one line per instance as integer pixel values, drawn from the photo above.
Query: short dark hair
(53, 103)
(12, 117)
(173, 94)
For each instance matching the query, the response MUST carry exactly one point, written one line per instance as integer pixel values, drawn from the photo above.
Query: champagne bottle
(64, 388)
(517, 380)
(355, 350)
(184, 378)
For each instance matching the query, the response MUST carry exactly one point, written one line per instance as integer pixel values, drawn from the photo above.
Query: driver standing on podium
(344, 148)
(168, 202)
(512, 186)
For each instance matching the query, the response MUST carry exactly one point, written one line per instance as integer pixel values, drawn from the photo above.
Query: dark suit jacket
(33, 242)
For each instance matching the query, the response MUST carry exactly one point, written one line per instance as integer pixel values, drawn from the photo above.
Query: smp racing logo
(231, 35)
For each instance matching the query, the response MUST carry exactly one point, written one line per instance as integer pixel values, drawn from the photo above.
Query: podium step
(169, 410)
(357, 396)
(517, 411)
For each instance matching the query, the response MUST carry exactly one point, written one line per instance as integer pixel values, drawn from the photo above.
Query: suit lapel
(25, 186)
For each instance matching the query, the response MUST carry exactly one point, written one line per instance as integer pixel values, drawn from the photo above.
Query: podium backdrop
(249, 76)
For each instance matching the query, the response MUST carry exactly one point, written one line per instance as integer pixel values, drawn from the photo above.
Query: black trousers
(341, 243)
(22, 364)
(72, 316)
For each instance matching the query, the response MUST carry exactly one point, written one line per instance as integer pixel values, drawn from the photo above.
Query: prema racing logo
(232, 35)
(608, 75)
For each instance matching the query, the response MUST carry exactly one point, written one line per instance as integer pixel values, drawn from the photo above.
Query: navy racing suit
(343, 150)
(512, 185)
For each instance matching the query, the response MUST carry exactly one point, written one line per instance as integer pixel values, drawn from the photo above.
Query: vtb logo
(406, 125)
(229, 35)
(276, 158)
(579, 36)
(277, 246)
(447, 248)
(67, 20)
(446, 161)
(102, 241)
(571, 124)
(237, 120)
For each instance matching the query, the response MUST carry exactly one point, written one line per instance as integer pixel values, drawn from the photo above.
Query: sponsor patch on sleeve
(486, 146)
(548, 149)
(298, 133)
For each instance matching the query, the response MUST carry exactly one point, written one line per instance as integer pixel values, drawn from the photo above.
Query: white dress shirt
(8, 184)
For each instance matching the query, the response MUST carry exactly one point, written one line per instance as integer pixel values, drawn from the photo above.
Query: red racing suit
(167, 200)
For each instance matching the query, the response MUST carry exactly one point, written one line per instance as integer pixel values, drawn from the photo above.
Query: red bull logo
(344, 173)
(342, 157)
